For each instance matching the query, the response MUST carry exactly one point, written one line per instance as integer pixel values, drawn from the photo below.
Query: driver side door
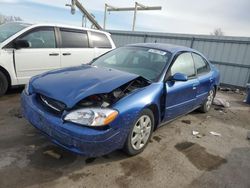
(41, 55)
(180, 95)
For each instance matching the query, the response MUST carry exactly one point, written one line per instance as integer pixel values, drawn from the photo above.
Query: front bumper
(79, 139)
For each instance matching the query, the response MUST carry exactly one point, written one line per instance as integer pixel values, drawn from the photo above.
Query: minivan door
(75, 48)
(41, 55)
(181, 95)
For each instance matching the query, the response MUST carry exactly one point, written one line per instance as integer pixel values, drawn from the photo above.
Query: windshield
(9, 29)
(146, 62)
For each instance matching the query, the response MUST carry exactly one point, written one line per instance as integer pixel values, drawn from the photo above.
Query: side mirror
(19, 43)
(179, 77)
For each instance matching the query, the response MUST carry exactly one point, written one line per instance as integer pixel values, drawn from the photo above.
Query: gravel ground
(173, 158)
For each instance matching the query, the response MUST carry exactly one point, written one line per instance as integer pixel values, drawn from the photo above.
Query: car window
(100, 40)
(148, 63)
(41, 38)
(9, 29)
(200, 64)
(183, 64)
(74, 39)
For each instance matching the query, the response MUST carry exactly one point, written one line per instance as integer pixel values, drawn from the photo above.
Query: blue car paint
(80, 82)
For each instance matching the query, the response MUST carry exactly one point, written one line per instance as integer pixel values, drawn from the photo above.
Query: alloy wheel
(141, 132)
(210, 99)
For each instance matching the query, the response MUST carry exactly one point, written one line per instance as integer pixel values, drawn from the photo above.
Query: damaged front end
(96, 110)
(106, 100)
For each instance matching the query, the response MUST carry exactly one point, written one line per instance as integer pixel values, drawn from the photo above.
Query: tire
(140, 133)
(206, 106)
(3, 84)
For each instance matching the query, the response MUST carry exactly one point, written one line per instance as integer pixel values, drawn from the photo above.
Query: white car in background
(30, 49)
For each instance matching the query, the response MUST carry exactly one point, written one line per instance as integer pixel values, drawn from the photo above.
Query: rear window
(74, 38)
(100, 40)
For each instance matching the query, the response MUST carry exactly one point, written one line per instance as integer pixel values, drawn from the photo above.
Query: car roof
(33, 25)
(164, 47)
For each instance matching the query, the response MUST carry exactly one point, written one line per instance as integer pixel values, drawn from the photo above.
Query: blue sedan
(120, 98)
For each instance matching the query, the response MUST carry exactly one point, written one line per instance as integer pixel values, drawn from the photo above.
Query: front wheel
(140, 133)
(3, 84)
(208, 102)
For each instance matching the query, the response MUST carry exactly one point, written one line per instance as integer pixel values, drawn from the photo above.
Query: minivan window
(41, 38)
(183, 64)
(100, 40)
(200, 64)
(74, 39)
(9, 29)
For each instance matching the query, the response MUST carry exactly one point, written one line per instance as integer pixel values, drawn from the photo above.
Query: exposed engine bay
(107, 99)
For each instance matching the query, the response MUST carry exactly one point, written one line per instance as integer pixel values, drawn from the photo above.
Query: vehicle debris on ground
(53, 154)
(221, 102)
(214, 133)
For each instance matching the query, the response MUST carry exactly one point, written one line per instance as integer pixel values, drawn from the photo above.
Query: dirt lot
(173, 158)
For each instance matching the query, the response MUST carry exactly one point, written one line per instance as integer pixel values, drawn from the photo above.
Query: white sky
(177, 16)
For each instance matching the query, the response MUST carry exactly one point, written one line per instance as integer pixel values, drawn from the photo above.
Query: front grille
(52, 104)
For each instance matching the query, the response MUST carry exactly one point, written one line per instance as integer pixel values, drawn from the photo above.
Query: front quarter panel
(130, 106)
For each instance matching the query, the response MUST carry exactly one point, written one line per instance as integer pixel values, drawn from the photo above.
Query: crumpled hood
(73, 84)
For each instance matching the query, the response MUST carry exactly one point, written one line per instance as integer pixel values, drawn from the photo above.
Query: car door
(41, 55)
(180, 95)
(75, 48)
(100, 43)
(204, 75)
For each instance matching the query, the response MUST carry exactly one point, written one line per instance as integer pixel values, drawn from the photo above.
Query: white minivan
(30, 49)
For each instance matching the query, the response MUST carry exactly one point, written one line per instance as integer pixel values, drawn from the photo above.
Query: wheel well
(5, 72)
(154, 109)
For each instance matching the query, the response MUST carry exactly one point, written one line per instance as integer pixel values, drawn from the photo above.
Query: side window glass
(100, 40)
(74, 38)
(200, 64)
(42, 38)
(183, 64)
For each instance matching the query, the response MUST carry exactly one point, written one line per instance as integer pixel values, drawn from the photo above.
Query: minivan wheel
(3, 84)
(208, 102)
(140, 133)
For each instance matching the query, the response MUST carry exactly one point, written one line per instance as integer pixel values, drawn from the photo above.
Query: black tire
(206, 106)
(3, 84)
(129, 148)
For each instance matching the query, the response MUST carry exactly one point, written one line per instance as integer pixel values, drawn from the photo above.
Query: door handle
(67, 53)
(54, 54)
(195, 86)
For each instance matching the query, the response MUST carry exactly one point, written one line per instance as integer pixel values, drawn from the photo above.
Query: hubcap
(141, 132)
(210, 99)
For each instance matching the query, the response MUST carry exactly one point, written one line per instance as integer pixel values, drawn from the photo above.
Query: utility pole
(76, 3)
(137, 7)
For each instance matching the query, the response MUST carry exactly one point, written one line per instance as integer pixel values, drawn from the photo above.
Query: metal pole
(133, 28)
(105, 16)
(88, 15)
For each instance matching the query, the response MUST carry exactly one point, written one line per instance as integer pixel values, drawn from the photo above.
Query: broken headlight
(92, 116)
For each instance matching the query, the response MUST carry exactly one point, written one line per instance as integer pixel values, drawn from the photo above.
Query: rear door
(75, 48)
(42, 55)
(204, 75)
(181, 95)
(100, 42)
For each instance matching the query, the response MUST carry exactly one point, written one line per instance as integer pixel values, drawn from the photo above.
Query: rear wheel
(3, 84)
(140, 133)
(208, 102)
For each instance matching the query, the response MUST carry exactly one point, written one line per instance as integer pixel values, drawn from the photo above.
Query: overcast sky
(176, 16)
